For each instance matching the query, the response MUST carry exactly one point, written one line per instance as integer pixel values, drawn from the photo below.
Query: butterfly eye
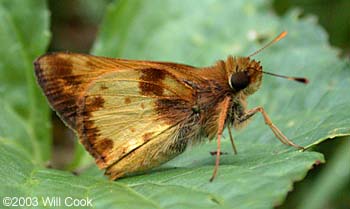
(239, 81)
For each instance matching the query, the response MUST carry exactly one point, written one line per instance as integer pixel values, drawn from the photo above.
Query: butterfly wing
(130, 115)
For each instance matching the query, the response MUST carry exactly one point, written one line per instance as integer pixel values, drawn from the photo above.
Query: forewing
(65, 76)
(123, 110)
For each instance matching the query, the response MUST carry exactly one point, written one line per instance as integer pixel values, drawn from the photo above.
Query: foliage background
(74, 26)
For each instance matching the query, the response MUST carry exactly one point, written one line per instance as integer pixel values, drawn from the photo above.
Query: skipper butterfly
(133, 115)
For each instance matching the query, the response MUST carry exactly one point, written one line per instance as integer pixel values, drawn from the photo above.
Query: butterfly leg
(232, 141)
(280, 136)
(221, 123)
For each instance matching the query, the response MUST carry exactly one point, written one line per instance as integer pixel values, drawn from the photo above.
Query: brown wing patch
(147, 136)
(94, 103)
(127, 100)
(152, 84)
(62, 67)
(104, 145)
(103, 87)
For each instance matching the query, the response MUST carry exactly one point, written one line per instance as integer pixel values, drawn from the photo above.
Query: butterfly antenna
(298, 79)
(279, 37)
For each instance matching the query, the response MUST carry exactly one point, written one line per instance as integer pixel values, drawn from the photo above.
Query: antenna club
(302, 80)
(281, 35)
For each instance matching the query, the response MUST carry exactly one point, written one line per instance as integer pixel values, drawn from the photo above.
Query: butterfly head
(245, 75)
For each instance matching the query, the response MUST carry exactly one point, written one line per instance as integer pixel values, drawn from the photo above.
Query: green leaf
(334, 178)
(24, 112)
(263, 172)
(174, 188)
(28, 180)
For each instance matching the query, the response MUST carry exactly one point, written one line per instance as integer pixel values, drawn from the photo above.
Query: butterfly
(134, 115)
